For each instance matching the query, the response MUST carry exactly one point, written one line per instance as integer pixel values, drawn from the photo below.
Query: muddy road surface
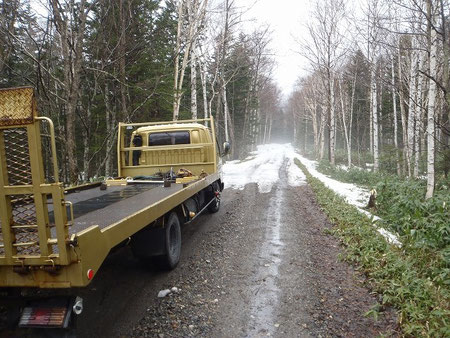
(262, 266)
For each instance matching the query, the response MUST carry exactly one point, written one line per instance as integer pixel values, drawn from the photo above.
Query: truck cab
(158, 148)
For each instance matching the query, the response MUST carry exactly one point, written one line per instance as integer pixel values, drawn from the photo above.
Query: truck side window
(169, 138)
(137, 142)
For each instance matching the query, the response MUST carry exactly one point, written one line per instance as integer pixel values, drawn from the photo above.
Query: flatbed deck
(106, 207)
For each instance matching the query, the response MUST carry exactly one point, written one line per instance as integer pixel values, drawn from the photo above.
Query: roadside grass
(414, 278)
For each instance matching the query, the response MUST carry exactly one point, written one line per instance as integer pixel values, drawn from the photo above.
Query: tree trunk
(412, 108)
(176, 94)
(332, 123)
(394, 108)
(194, 81)
(402, 112)
(344, 124)
(431, 106)
(419, 113)
(352, 105)
(373, 91)
(71, 39)
(371, 121)
(322, 133)
(122, 58)
(203, 73)
(109, 122)
(86, 136)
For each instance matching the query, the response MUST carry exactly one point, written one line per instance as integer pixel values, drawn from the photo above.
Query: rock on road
(261, 266)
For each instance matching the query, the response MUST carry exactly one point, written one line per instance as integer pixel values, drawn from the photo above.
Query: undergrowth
(423, 225)
(413, 278)
(356, 175)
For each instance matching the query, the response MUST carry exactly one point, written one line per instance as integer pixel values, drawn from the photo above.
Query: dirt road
(261, 266)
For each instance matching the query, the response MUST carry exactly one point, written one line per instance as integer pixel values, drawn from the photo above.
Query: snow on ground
(353, 194)
(263, 168)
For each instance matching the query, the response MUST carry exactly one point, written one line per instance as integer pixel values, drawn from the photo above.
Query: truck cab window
(169, 138)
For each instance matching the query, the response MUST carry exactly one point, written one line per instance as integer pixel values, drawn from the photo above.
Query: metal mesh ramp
(25, 234)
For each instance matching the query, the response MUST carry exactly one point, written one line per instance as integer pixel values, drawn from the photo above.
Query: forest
(94, 63)
(376, 93)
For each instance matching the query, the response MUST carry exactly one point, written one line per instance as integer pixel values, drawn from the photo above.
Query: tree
(187, 33)
(325, 52)
(70, 21)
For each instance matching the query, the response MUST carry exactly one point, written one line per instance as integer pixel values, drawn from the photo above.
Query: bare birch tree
(190, 17)
(325, 52)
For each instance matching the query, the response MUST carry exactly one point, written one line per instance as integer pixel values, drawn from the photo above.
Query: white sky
(287, 19)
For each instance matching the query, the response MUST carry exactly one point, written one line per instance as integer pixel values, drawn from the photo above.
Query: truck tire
(172, 240)
(215, 205)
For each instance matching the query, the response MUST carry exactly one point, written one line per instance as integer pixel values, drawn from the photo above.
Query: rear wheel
(215, 194)
(172, 241)
(215, 205)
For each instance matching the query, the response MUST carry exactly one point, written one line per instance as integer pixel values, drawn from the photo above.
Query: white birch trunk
(194, 81)
(204, 92)
(431, 113)
(332, 123)
(176, 94)
(418, 118)
(313, 111)
(412, 108)
(394, 107)
(225, 112)
(371, 122)
(373, 91)
(322, 134)
(306, 134)
(344, 124)
(402, 112)
(196, 13)
(352, 105)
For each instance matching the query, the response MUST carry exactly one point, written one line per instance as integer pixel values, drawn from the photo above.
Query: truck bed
(101, 207)
(106, 207)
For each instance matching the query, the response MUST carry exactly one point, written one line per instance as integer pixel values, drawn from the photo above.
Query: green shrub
(359, 176)
(402, 206)
(388, 159)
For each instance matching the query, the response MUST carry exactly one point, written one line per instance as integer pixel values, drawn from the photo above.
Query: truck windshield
(169, 138)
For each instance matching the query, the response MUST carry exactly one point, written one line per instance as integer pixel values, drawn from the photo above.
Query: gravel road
(262, 266)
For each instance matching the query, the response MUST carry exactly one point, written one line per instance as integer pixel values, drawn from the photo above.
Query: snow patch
(262, 167)
(353, 194)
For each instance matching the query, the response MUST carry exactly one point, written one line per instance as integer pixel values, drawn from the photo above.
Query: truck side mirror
(226, 148)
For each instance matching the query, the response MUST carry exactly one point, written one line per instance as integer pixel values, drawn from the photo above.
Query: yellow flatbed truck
(55, 238)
